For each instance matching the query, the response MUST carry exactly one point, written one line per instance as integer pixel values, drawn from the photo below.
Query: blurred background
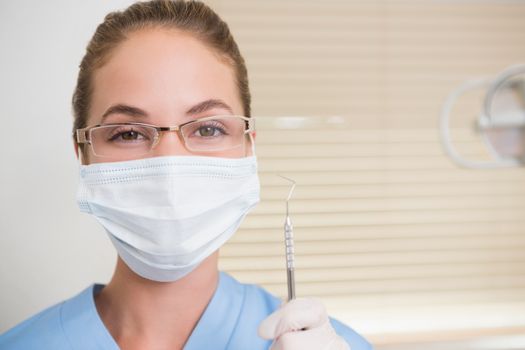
(401, 244)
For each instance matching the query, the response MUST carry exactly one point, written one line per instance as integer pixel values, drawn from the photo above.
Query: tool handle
(290, 263)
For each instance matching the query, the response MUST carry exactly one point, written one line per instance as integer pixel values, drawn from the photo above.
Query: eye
(207, 131)
(210, 129)
(127, 134)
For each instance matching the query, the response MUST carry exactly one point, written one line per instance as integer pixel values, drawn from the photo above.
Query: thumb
(296, 315)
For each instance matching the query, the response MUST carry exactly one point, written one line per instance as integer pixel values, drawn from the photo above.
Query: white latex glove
(301, 324)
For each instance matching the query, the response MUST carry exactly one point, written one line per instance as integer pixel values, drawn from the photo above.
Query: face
(164, 78)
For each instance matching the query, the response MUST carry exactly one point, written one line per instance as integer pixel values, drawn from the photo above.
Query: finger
(293, 316)
(320, 338)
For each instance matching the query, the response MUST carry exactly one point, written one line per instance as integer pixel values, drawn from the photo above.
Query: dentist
(164, 135)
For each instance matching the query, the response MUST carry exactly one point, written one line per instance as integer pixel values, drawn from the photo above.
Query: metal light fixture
(501, 121)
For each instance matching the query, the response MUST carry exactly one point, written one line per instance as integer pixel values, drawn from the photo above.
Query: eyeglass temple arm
(81, 136)
(250, 125)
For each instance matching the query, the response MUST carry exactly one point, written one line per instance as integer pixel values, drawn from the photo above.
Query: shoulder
(56, 327)
(43, 330)
(259, 303)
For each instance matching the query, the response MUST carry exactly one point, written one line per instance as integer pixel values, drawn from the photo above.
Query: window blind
(389, 233)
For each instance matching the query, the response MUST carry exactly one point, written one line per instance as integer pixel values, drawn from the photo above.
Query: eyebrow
(207, 105)
(140, 113)
(124, 109)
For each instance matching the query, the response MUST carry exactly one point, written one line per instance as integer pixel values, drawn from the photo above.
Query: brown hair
(191, 16)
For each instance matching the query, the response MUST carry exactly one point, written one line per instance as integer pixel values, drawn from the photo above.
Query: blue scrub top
(230, 321)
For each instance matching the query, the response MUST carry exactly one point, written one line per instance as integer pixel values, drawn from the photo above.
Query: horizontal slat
(409, 286)
(347, 34)
(455, 71)
(350, 246)
(453, 298)
(389, 272)
(335, 150)
(343, 18)
(488, 11)
(345, 205)
(359, 232)
(514, 176)
(385, 218)
(341, 133)
(322, 261)
(357, 163)
(366, 302)
(403, 190)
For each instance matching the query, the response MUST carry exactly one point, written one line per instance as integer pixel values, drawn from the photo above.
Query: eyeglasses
(133, 140)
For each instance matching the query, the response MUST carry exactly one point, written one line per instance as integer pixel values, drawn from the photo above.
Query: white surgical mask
(165, 215)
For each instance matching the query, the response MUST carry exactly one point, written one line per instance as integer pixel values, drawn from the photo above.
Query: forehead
(164, 72)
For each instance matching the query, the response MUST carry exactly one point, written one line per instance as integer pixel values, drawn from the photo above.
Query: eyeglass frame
(83, 139)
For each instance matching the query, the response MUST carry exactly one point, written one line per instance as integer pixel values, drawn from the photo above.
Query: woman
(163, 133)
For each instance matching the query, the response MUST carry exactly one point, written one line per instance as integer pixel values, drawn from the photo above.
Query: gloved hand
(301, 324)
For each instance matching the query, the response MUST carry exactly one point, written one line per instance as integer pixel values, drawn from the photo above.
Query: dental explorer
(289, 246)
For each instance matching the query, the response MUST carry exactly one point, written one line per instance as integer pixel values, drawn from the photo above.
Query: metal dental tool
(288, 242)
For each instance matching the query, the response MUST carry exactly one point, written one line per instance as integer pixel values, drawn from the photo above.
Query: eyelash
(121, 130)
(215, 125)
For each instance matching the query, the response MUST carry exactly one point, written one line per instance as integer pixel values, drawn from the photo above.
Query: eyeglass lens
(132, 141)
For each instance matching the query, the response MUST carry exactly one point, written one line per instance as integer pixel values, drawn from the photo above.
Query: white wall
(48, 250)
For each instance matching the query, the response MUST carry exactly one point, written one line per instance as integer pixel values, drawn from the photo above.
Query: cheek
(88, 157)
(240, 152)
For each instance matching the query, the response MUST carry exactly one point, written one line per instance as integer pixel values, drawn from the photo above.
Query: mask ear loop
(251, 132)
(252, 141)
